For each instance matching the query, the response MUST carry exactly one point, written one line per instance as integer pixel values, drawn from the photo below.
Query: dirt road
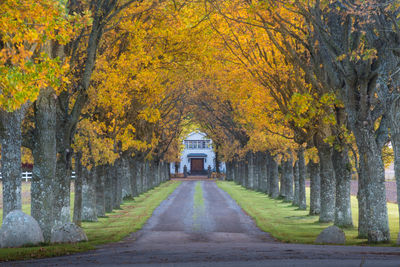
(200, 225)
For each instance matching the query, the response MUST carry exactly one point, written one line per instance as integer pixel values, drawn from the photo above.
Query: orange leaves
(96, 147)
(25, 36)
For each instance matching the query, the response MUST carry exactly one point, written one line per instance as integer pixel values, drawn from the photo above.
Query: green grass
(289, 224)
(113, 228)
(198, 195)
(198, 206)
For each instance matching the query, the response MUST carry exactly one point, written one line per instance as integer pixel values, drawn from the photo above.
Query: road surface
(200, 225)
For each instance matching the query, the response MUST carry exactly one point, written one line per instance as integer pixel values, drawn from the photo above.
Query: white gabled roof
(196, 136)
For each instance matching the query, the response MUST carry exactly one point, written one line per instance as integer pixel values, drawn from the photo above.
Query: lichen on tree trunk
(302, 180)
(282, 184)
(288, 177)
(328, 184)
(315, 187)
(342, 167)
(77, 216)
(108, 189)
(296, 200)
(11, 141)
(100, 200)
(44, 156)
(115, 196)
(89, 209)
(133, 165)
(264, 178)
(372, 178)
(126, 177)
(62, 188)
(274, 177)
(396, 149)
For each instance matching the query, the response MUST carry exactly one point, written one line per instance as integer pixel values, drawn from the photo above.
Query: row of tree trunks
(257, 171)
(330, 181)
(103, 188)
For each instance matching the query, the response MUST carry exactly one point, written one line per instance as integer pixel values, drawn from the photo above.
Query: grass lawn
(113, 228)
(288, 224)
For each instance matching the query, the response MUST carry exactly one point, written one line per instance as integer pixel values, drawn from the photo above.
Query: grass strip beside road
(287, 223)
(199, 207)
(114, 227)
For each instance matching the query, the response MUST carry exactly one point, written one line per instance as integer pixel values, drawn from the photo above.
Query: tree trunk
(157, 173)
(342, 167)
(77, 218)
(62, 188)
(289, 180)
(133, 176)
(396, 148)
(115, 186)
(296, 200)
(282, 190)
(250, 171)
(44, 156)
(89, 209)
(11, 159)
(302, 180)
(217, 162)
(328, 184)
(146, 176)
(264, 180)
(100, 199)
(228, 175)
(274, 178)
(236, 173)
(315, 188)
(108, 189)
(362, 207)
(140, 170)
(242, 173)
(372, 179)
(149, 175)
(167, 173)
(256, 171)
(139, 175)
(394, 121)
(162, 172)
(126, 178)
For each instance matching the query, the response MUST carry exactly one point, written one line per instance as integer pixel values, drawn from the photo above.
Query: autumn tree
(26, 66)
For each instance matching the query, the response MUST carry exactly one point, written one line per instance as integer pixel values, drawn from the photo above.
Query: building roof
(196, 135)
(197, 155)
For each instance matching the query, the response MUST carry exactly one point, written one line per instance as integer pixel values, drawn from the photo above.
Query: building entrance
(196, 165)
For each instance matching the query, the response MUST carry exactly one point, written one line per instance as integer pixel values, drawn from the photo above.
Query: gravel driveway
(214, 231)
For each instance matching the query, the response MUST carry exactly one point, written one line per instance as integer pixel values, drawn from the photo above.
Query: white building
(197, 155)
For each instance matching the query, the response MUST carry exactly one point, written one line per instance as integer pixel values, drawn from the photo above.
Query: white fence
(27, 176)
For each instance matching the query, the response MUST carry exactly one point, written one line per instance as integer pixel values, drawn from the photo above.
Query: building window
(197, 144)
